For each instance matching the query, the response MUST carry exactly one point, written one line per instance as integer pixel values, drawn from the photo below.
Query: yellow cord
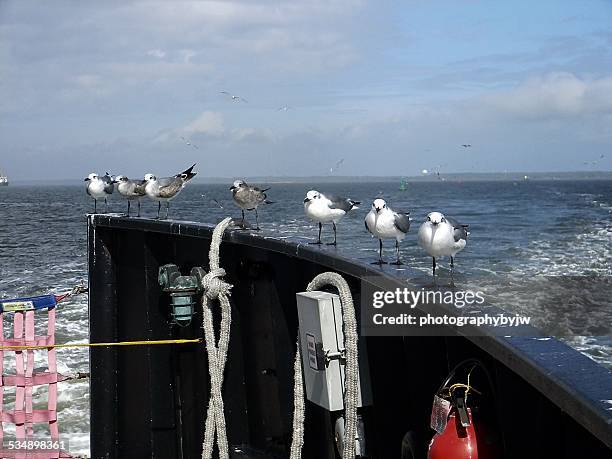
(468, 383)
(453, 387)
(120, 343)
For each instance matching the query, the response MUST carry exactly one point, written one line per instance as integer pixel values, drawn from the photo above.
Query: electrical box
(322, 345)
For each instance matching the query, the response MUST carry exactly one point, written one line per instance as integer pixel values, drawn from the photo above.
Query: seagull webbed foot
(331, 243)
(397, 263)
(315, 243)
(379, 262)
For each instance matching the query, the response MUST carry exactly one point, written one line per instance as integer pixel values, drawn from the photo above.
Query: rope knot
(213, 285)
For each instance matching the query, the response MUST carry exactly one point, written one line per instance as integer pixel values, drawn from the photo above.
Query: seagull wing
(459, 231)
(169, 186)
(342, 203)
(402, 221)
(139, 187)
(109, 187)
(187, 174)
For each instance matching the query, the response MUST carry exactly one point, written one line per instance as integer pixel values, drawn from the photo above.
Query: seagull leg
(256, 220)
(380, 259)
(158, 208)
(128, 208)
(105, 206)
(138, 208)
(319, 240)
(333, 243)
(397, 251)
(167, 209)
(242, 218)
(95, 206)
(452, 282)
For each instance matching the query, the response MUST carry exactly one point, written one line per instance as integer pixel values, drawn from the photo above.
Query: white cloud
(157, 53)
(555, 95)
(209, 123)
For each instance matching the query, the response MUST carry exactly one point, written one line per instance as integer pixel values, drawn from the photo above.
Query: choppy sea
(542, 248)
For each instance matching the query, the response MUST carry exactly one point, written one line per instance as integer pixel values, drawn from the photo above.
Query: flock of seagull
(158, 189)
(438, 235)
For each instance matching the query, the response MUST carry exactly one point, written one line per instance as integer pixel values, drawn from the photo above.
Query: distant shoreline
(450, 177)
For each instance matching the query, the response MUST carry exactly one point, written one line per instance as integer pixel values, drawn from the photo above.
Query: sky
(390, 87)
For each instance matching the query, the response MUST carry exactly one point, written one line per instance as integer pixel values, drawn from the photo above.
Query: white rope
(351, 371)
(216, 288)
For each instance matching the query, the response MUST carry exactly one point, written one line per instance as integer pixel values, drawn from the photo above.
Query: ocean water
(541, 248)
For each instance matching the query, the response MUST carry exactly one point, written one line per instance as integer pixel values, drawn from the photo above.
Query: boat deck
(550, 400)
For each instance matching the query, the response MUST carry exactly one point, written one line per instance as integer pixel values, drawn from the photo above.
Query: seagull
(235, 98)
(188, 143)
(249, 198)
(384, 223)
(336, 166)
(99, 188)
(466, 145)
(167, 188)
(130, 190)
(284, 108)
(325, 209)
(442, 236)
(213, 200)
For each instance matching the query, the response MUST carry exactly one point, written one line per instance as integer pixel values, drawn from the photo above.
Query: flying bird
(384, 223)
(249, 198)
(131, 190)
(167, 188)
(466, 145)
(284, 108)
(325, 209)
(595, 162)
(442, 236)
(336, 166)
(234, 97)
(213, 200)
(188, 143)
(99, 188)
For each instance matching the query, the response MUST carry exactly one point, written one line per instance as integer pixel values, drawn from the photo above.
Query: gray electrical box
(322, 345)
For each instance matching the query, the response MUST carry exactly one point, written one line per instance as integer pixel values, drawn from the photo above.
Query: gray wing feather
(460, 231)
(139, 187)
(109, 186)
(340, 203)
(402, 222)
(250, 197)
(169, 186)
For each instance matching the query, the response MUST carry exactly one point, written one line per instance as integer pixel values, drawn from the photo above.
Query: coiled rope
(215, 288)
(351, 371)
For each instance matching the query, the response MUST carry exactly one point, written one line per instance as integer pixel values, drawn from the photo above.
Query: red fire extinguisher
(460, 432)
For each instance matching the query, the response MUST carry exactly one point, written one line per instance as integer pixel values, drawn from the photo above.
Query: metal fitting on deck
(184, 291)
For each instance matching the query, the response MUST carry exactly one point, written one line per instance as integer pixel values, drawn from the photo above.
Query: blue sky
(391, 87)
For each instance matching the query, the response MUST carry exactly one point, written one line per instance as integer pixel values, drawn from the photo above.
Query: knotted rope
(351, 372)
(215, 288)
